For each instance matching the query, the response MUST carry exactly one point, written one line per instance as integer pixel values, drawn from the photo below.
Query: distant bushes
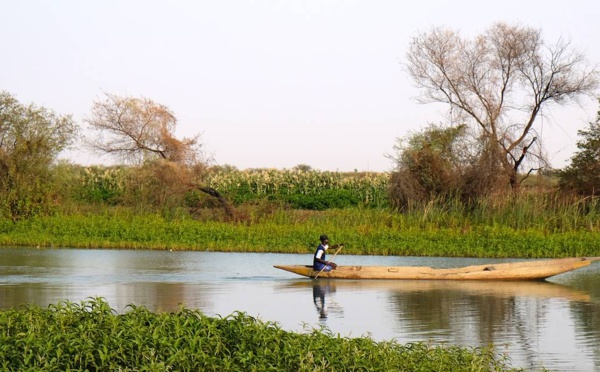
(327, 199)
(156, 187)
(582, 176)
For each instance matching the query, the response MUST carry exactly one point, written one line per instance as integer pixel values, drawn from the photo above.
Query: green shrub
(91, 336)
(327, 199)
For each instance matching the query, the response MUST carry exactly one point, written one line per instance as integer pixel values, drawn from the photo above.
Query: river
(554, 324)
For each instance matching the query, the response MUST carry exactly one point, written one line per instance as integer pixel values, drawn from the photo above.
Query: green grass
(364, 231)
(91, 336)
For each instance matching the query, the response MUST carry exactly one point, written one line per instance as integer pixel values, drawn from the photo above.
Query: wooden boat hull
(524, 270)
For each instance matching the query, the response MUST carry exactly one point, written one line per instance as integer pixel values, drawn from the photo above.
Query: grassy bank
(364, 231)
(91, 336)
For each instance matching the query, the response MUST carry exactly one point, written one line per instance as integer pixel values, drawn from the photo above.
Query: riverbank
(364, 232)
(91, 336)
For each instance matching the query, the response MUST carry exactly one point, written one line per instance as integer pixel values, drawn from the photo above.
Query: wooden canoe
(523, 270)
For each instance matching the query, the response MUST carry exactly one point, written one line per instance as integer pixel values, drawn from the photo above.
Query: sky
(269, 83)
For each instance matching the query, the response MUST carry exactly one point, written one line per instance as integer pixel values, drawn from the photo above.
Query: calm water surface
(553, 324)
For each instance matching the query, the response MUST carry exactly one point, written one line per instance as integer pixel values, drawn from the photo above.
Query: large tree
(31, 138)
(499, 82)
(141, 131)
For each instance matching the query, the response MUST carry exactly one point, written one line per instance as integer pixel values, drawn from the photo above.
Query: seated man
(319, 262)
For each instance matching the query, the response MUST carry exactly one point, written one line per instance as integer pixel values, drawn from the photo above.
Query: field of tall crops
(367, 189)
(303, 189)
(90, 336)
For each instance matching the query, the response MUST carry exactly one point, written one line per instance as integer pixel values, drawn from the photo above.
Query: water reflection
(321, 289)
(536, 323)
(481, 310)
(554, 324)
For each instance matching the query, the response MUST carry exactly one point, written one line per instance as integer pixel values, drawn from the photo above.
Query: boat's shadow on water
(501, 289)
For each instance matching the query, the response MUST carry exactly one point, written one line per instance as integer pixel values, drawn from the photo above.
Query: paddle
(324, 266)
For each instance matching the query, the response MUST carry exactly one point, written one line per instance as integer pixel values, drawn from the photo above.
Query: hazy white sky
(271, 83)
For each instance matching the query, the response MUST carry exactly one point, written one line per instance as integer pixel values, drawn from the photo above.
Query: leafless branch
(499, 78)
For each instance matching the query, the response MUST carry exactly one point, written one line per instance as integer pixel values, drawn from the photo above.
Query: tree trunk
(514, 183)
(224, 203)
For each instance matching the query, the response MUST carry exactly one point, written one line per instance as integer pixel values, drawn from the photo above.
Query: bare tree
(499, 82)
(137, 130)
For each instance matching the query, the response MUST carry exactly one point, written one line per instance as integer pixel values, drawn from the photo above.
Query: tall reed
(433, 232)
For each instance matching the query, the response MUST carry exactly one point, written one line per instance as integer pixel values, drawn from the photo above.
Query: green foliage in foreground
(364, 231)
(91, 336)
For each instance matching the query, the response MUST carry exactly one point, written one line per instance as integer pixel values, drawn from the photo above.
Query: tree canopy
(31, 138)
(499, 82)
(582, 176)
(139, 129)
(441, 163)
